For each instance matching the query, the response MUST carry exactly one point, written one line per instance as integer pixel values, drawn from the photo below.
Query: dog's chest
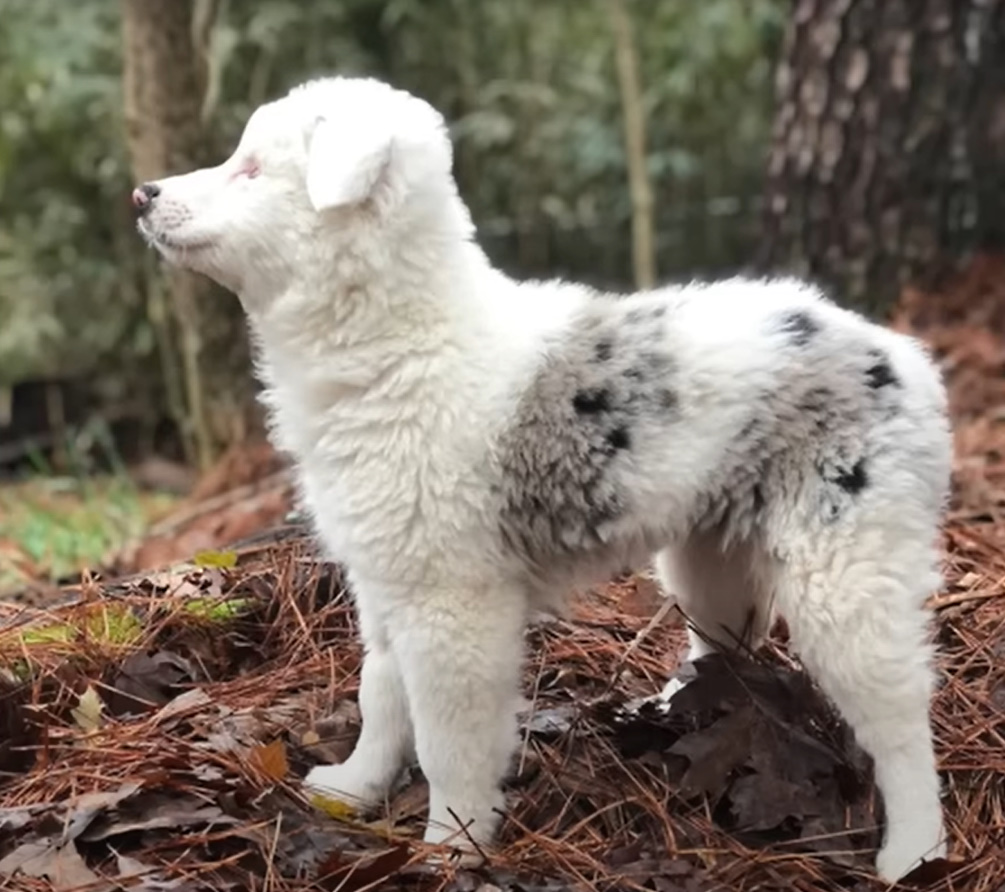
(391, 492)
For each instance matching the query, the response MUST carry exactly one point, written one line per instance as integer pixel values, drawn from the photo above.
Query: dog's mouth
(167, 243)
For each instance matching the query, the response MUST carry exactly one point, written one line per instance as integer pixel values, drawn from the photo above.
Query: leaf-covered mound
(154, 731)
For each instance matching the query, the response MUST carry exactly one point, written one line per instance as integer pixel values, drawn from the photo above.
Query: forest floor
(156, 719)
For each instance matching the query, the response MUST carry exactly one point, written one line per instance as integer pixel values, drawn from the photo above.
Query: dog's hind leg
(854, 606)
(460, 655)
(386, 741)
(724, 591)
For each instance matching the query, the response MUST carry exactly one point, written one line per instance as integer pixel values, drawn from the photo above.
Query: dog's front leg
(386, 741)
(460, 658)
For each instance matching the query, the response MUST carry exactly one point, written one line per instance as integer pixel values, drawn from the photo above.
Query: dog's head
(334, 160)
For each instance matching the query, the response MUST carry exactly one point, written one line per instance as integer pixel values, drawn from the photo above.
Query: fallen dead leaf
(928, 873)
(271, 760)
(60, 863)
(156, 811)
(17, 817)
(337, 873)
(183, 704)
(715, 753)
(84, 809)
(87, 712)
(152, 877)
(131, 867)
(762, 743)
(335, 733)
(334, 808)
(219, 560)
(145, 681)
(550, 722)
(760, 802)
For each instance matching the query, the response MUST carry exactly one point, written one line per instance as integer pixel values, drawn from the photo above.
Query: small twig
(464, 829)
(533, 709)
(271, 864)
(964, 597)
(668, 604)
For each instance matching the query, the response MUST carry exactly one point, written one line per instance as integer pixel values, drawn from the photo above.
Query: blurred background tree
(167, 63)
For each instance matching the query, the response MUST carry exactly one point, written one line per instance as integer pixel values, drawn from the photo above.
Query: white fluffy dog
(472, 448)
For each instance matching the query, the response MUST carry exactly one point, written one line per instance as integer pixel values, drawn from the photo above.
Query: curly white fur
(472, 448)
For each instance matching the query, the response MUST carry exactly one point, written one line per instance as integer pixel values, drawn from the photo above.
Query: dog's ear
(345, 163)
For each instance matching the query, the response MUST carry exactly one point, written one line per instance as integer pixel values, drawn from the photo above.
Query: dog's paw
(457, 857)
(464, 841)
(455, 848)
(342, 784)
(685, 674)
(899, 857)
(670, 689)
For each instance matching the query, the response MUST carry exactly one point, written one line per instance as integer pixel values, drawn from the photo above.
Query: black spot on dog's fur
(603, 351)
(591, 402)
(855, 480)
(602, 510)
(619, 438)
(635, 374)
(657, 362)
(816, 404)
(881, 375)
(800, 326)
(667, 399)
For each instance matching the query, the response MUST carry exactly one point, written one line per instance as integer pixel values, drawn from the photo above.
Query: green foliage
(63, 253)
(51, 528)
(529, 88)
(110, 626)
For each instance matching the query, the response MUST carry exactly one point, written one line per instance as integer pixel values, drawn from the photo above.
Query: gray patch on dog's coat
(574, 426)
(611, 378)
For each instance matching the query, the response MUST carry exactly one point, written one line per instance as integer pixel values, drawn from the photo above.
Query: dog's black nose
(144, 196)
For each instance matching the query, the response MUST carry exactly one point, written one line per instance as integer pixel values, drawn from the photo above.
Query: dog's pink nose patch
(144, 195)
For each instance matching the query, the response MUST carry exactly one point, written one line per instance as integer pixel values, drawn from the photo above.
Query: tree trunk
(164, 82)
(634, 114)
(887, 157)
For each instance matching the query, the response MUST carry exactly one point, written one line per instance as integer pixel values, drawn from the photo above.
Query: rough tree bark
(164, 79)
(889, 143)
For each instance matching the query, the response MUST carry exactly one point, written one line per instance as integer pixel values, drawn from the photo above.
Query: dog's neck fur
(394, 322)
(373, 301)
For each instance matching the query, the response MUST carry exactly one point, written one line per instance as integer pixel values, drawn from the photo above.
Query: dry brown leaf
(85, 808)
(87, 712)
(60, 864)
(156, 812)
(338, 873)
(148, 680)
(190, 701)
(271, 760)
